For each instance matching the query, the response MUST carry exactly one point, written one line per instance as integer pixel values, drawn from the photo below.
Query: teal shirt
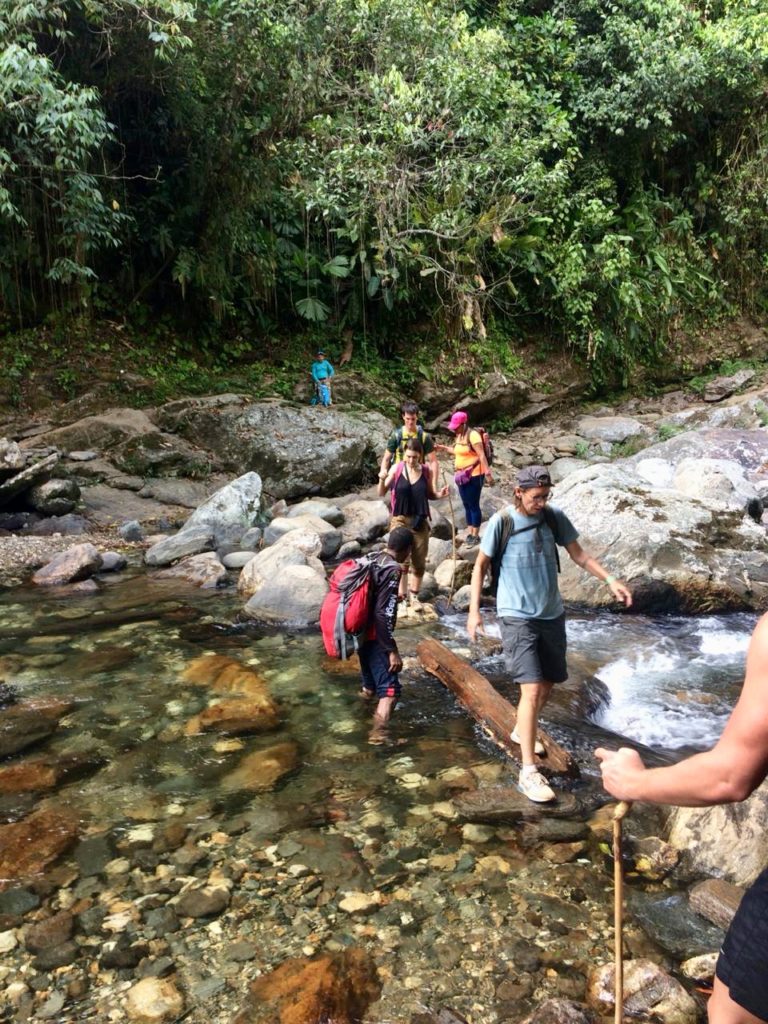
(321, 370)
(528, 577)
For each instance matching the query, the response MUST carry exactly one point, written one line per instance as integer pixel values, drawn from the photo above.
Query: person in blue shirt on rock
(322, 372)
(529, 605)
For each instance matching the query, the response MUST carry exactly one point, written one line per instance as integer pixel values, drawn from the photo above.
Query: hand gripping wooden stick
(619, 813)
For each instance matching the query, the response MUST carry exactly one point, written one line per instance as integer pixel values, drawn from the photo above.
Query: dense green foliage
(591, 170)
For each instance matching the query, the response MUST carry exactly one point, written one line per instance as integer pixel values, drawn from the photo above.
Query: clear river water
(360, 817)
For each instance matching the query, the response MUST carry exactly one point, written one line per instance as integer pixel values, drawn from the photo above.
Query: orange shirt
(465, 455)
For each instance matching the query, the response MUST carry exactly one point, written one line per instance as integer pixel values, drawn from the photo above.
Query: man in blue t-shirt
(530, 608)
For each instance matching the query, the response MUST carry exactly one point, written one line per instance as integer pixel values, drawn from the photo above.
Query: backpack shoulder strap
(507, 529)
(551, 520)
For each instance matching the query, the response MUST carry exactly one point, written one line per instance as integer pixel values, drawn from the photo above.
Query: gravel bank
(20, 556)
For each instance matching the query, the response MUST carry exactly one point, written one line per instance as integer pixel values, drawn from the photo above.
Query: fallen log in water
(486, 705)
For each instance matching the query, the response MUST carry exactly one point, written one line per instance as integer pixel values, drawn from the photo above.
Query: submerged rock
(154, 1001)
(43, 773)
(233, 718)
(260, 770)
(29, 846)
(560, 1011)
(28, 721)
(337, 988)
(649, 991)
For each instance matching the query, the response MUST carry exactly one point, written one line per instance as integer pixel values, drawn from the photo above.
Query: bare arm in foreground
(729, 772)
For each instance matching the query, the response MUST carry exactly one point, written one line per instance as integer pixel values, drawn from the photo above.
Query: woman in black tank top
(412, 487)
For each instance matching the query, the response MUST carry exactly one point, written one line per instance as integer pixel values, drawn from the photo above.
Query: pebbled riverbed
(207, 860)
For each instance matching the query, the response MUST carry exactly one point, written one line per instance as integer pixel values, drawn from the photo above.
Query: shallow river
(355, 816)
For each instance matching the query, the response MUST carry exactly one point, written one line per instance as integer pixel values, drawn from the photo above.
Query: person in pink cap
(472, 471)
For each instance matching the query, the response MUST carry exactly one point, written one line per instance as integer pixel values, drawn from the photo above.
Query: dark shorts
(534, 649)
(743, 963)
(374, 668)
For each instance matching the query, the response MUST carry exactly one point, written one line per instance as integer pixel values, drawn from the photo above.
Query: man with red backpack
(380, 661)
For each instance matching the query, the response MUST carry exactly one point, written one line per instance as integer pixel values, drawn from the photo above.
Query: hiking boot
(538, 746)
(471, 540)
(535, 787)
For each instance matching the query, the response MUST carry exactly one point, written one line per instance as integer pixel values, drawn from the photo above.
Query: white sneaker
(538, 746)
(534, 786)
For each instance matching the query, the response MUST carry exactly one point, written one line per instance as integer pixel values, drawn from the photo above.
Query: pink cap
(457, 420)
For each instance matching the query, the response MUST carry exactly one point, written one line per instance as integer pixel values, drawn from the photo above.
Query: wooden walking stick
(453, 538)
(620, 812)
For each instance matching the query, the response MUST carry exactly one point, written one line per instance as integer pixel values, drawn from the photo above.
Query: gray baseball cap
(533, 476)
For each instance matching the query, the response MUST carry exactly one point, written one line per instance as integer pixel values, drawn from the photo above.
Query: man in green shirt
(396, 443)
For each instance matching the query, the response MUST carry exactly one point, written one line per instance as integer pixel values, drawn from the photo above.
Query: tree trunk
(486, 705)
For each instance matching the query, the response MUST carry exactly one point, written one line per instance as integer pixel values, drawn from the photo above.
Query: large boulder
(296, 450)
(727, 841)
(679, 551)
(54, 497)
(292, 599)
(160, 454)
(236, 505)
(102, 432)
(271, 563)
(484, 397)
(328, 536)
(189, 541)
(321, 507)
(364, 521)
(30, 476)
(612, 429)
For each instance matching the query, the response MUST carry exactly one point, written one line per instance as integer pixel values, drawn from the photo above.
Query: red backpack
(346, 608)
